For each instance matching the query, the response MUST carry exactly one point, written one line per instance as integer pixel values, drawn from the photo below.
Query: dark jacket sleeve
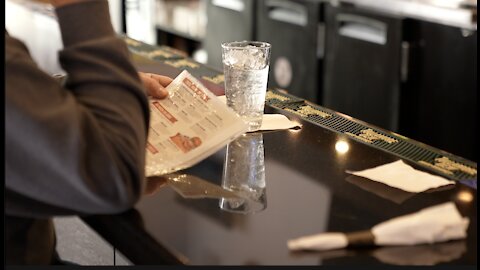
(78, 148)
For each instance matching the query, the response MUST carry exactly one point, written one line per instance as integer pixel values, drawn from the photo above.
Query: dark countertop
(307, 192)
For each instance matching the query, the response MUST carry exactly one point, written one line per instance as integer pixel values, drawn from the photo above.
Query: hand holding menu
(188, 126)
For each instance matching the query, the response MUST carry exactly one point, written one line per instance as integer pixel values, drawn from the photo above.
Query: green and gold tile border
(446, 164)
(152, 52)
(173, 58)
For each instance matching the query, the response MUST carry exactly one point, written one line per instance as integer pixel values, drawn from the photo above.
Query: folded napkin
(433, 224)
(277, 122)
(272, 121)
(402, 176)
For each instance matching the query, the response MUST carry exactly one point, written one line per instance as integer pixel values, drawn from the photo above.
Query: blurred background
(408, 66)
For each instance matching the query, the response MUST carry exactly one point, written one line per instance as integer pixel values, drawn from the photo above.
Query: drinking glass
(245, 65)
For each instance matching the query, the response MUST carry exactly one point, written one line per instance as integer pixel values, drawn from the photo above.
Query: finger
(155, 89)
(163, 80)
(152, 86)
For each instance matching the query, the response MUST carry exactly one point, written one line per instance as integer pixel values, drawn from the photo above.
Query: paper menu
(188, 126)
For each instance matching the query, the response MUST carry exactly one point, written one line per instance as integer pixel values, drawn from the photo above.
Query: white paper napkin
(430, 225)
(272, 121)
(402, 176)
(320, 242)
(277, 122)
(433, 224)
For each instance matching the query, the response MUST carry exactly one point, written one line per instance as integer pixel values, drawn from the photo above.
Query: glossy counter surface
(305, 190)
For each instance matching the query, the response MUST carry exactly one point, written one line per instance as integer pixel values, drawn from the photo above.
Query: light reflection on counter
(295, 130)
(342, 147)
(465, 196)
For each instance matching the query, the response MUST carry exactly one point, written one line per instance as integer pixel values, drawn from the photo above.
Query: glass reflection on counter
(244, 174)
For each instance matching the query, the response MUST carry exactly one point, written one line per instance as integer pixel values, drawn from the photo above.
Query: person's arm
(80, 148)
(154, 84)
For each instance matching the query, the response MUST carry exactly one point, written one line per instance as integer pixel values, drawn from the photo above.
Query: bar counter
(307, 192)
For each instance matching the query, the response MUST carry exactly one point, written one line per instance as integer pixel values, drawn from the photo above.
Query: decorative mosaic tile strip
(448, 165)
